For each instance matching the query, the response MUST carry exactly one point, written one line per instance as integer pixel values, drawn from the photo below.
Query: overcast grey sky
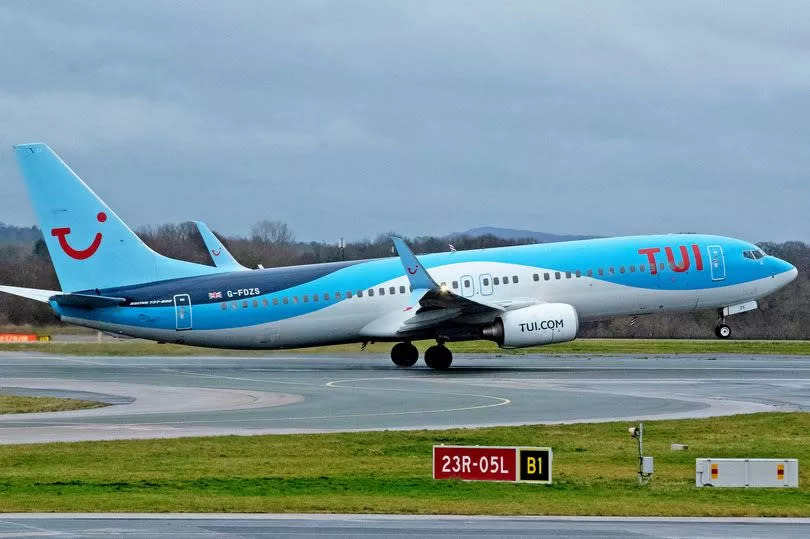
(354, 118)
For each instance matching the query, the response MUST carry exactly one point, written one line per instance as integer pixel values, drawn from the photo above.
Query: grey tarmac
(245, 526)
(154, 397)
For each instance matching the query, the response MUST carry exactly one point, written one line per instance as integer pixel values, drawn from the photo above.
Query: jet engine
(531, 326)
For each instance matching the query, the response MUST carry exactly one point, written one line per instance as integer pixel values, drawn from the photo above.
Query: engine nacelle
(531, 326)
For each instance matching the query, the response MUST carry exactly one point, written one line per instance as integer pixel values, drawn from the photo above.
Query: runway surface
(171, 397)
(44, 525)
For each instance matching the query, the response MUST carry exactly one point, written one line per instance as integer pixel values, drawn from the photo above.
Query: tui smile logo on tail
(79, 254)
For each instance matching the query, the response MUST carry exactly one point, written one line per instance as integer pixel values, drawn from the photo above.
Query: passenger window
(590, 273)
(514, 279)
(621, 269)
(295, 299)
(234, 305)
(305, 298)
(578, 274)
(275, 301)
(496, 280)
(632, 269)
(382, 291)
(546, 276)
(455, 284)
(410, 288)
(557, 275)
(662, 266)
(611, 271)
(505, 279)
(265, 303)
(359, 293)
(401, 289)
(244, 304)
(536, 277)
(392, 290)
(326, 296)
(486, 281)
(370, 292)
(567, 274)
(349, 294)
(337, 295)
(284, 300)
(601, 272)
(224, 306)
(466, 283)
(255, 303)
(641, 268)
(314, 297)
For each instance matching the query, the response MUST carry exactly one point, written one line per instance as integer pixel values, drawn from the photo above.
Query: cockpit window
(754, 255)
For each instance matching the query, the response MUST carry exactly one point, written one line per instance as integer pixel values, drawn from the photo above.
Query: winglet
(222, 258)
(416, 274)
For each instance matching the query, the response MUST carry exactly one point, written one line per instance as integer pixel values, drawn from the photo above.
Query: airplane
(515, 296)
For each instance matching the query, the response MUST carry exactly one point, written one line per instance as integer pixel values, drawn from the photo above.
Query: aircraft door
(717, 262)
(182, 311)
(485, 284)
(467, 286)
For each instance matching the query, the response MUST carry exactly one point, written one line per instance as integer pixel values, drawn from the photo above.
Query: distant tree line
(24, 261)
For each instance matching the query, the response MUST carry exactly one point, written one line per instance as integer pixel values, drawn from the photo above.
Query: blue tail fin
(90, 245)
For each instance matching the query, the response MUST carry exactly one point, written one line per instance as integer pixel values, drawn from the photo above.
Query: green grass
(137, 347)
(390, 472)
(12, 404)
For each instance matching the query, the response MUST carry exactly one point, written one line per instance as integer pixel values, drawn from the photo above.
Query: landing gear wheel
(722, 331)
(404, 354)
(438, 357)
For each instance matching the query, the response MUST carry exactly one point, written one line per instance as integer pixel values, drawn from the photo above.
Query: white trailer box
(775, 473)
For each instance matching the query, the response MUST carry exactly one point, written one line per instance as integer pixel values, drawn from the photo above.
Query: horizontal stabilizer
(87, 301)
(30, 293)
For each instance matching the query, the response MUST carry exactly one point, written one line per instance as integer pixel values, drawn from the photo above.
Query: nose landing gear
(722, 331)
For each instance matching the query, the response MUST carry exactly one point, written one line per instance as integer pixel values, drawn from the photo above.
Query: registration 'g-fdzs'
(516, 296)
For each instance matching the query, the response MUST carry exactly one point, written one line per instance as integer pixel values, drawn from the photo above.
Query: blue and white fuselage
(517, 296)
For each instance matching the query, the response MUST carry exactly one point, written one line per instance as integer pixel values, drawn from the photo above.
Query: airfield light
(645, 464)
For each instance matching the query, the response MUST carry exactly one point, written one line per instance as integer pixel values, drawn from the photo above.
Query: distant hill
(515, 234)
(18, 235)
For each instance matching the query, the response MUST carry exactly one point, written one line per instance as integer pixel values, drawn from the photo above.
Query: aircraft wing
(430, 304)
(222, 258)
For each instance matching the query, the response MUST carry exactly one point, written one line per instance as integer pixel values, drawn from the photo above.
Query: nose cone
(784, 272)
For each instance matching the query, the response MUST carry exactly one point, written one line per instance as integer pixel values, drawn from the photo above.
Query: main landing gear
(404, 354)
(437, 357)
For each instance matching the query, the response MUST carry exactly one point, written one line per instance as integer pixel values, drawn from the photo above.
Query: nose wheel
(404, 354)
(438, 357)
(722, 331)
